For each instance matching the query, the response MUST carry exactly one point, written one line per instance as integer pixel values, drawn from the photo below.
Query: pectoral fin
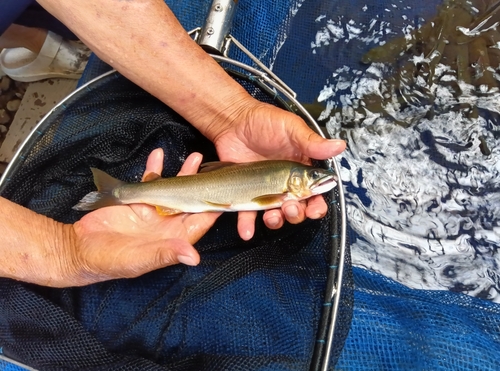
(269, 200)
(164, 211)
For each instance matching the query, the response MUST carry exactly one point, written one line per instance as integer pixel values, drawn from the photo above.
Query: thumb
(147, 257)
(315, 146)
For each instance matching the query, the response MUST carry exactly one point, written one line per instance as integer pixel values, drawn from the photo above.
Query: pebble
(4, 117)
(13, 105)
(10, 100)
(11, 95)
(5, 83)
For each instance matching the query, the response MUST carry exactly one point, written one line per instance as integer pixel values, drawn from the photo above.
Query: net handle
(213, 35)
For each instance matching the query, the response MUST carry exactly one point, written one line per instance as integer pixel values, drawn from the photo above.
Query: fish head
(306, 181)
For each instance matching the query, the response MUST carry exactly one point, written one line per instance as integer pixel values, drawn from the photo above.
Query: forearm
(28, 242)
(143, 40)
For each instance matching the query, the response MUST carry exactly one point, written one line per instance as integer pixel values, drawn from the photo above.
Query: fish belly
(226, 199)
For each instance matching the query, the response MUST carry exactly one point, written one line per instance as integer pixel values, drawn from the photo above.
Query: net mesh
(398, 328)
(394, 327)
(247, 306)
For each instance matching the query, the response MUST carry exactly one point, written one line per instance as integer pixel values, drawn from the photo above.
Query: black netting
(253, 305)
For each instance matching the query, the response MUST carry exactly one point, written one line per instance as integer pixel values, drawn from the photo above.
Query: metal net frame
(264, 81)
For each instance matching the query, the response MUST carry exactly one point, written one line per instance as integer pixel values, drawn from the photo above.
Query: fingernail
(186, 259)
(337, 142)
(292, 211)
(316, 215)
(273, 221)
(247, 235)
(159, 153)
(197, 159)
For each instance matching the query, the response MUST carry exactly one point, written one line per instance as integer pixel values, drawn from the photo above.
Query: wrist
(220, 114)
(35, 249)
(53, 250)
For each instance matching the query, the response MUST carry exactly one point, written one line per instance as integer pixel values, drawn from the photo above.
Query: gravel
(11, 94)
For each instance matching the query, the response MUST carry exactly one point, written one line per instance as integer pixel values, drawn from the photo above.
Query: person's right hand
(129, 240)
(258, 131)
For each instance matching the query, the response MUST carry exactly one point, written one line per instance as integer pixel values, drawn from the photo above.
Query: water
(422, 168)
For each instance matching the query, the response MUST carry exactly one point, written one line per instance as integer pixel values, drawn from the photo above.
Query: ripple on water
(421, 173)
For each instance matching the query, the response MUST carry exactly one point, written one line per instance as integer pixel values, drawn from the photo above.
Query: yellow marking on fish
(151, 176)
(215, 204)
(269, 200)
(165, 211)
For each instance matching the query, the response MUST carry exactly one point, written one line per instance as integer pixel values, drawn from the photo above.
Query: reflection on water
(422, 121)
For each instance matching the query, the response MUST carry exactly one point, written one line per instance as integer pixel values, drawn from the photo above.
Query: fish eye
(315, 174)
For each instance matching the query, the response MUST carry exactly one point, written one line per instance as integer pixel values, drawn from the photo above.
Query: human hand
(261, 131)
(129, 240)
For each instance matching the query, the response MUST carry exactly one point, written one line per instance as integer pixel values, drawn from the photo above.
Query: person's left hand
(261, 131)
(127, 241)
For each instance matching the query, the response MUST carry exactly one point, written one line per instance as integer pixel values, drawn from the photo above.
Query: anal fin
(218, 205)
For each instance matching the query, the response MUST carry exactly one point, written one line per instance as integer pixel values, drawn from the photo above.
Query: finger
(198, 224)
(191, 165)
(316, 207)
(315, 146)
(154, 165)
(246, 224)
(274, 219)
(294, 211)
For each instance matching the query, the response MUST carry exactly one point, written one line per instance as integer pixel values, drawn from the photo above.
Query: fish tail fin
(104, 182)
(96, 200)
(104, 196)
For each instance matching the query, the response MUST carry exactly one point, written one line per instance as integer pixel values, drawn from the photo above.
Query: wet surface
(38, 99)
(11, 95)
(420, 110)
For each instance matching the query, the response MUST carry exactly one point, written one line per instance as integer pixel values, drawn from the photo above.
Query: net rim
(322, 352)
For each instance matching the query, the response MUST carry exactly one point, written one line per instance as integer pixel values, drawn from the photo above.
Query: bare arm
(145, 42)
(29, 243)
(113, 242)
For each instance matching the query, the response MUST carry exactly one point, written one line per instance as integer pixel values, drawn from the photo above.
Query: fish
(219, 186)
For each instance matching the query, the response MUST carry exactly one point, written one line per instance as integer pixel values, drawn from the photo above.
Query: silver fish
(218, 187)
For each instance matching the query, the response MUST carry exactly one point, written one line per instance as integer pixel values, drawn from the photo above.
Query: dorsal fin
(214, 165)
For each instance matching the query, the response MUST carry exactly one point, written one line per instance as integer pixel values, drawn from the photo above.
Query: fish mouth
(323, 185)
